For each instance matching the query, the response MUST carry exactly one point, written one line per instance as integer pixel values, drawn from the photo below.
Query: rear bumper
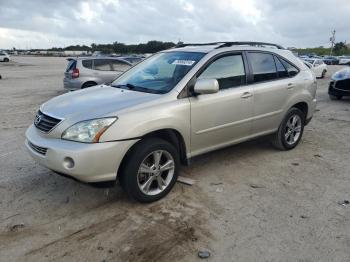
(95, 162)
(71, 84)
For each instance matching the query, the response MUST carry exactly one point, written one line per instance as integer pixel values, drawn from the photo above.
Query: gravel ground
(250, 202)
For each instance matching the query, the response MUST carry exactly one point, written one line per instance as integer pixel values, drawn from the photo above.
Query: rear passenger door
(272, 83)
(119, 66)
(224, 117)
(104, 70)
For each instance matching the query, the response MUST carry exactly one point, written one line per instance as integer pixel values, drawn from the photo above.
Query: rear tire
(143, 177)
(323, 73)
(88, 84)
(332, 97)
(290, 130)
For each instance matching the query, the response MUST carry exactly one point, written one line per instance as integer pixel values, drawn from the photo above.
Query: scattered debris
(295, 164)
(344, 203)
(317, 110)
(106, 191)
(216, 183)
(67, 200)
(303, 217)
(185, 180)
(203, 254)
(317, 155)
(99, 248)
(16, 228)
(110, 251)
(256, 186)
(219, 190)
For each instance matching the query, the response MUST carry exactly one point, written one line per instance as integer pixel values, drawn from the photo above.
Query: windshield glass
(160, 73)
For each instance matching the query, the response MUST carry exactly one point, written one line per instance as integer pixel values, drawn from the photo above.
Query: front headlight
(88, 131)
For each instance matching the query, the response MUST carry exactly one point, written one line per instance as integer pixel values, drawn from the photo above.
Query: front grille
(38, 149)
(44, 122)
(343, 85)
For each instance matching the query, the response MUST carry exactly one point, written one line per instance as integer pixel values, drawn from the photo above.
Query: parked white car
(344, 60)
(4, 57)
(317, 66)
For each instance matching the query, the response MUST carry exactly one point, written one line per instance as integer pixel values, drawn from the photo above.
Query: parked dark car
(340, 84)
(330, 60)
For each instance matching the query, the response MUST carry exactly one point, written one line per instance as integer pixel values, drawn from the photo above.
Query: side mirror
(206, 86)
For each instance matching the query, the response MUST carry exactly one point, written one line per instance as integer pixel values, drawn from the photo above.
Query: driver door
(224, 117)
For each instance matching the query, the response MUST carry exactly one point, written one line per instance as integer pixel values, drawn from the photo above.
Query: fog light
(68, 162)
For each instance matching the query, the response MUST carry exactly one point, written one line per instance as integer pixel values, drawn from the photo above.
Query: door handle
(246, 95)
(290, 86)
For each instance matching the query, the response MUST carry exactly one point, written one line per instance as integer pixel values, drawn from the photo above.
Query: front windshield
(160, 73)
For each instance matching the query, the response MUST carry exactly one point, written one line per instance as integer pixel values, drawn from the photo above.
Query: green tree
(340, 48)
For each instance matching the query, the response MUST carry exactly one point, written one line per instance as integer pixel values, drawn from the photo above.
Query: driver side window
(227, 70)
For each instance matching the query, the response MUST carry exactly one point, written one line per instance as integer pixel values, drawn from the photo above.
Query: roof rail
(227, 44)
(197, 44)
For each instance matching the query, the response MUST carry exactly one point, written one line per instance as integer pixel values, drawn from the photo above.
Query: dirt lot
(250, 202)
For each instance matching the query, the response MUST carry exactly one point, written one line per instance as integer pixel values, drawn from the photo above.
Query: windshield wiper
(138, 88)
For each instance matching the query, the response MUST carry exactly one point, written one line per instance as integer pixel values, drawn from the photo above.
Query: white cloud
(42, 23)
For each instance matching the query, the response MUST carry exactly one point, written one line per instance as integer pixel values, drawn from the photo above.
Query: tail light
(75, 73)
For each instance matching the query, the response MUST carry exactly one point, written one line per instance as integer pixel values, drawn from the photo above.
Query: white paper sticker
(184, 62)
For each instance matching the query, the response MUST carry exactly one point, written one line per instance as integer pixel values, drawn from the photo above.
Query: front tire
(6, 60)
(290, 130)
(150, 170)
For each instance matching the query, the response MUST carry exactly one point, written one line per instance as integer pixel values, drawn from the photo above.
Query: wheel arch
(170, 135)
(84, 85)
(303, 107)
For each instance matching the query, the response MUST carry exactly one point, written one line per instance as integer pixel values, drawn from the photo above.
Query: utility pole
(332, 39)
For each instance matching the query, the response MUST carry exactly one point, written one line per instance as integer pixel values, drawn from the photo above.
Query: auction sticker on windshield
(183, 62)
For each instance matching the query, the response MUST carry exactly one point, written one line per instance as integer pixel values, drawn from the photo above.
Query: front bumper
(339, 88)
(95, 162)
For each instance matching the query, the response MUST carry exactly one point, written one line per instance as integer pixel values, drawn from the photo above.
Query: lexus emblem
(37, 119)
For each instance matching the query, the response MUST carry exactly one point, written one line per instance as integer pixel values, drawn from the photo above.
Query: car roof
(221, 47)
(98, 57)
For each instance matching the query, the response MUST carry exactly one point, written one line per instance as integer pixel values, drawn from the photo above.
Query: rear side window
(71, 65)
(227, 70)
(87, 63)
(281, 70)
(102, 64)
(119, 66)
(263, 66)
(292, 70)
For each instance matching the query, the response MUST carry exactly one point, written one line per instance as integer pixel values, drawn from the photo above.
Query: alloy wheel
(293, 129)
(156, 172)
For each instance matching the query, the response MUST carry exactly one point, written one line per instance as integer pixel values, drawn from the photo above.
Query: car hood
(94, 102)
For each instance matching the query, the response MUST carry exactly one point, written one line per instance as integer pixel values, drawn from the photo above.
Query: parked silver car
(171, 107)
(85, 72)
